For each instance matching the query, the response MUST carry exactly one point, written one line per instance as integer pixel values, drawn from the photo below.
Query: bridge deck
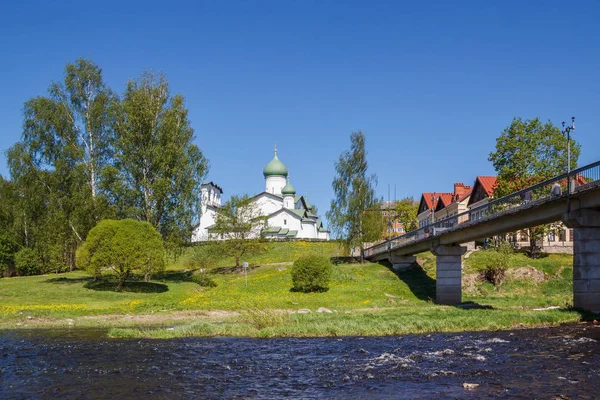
(508, 214)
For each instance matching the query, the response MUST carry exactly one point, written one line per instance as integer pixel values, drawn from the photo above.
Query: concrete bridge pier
(586, 257)
(448, 286)
(401, 263)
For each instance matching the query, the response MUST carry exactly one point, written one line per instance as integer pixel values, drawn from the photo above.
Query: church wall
(292, 222)
(206, 219)
(309, 231)
(268, 205)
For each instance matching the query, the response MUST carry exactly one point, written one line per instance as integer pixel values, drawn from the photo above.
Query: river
(543, 363)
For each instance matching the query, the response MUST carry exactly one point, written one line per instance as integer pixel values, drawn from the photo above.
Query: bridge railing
(578, 180)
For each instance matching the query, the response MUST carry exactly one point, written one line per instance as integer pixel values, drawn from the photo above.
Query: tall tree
(375, 226)
(354, 191)
(71, 126)
(238, 225)
(529, 152)
(406, 213)
(159, 170)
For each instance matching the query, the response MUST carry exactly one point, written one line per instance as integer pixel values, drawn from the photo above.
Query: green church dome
(275, 168)
(288, 189)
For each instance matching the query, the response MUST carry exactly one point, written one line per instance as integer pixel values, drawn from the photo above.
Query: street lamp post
(433, 209)
(567, 131)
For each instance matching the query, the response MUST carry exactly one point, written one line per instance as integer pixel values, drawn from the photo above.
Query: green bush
(27, 262)
(123, 246)
(203, 280)
(8, 248)
(311, 273)
(492, 264)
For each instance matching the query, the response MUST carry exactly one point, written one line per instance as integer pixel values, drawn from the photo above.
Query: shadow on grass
(230, 270)
(471, 305)
(417, 280)
(424, 287)
(175, 276)
(129, 287)
(344, 260)
(538, 254)
(317, 290)
(66, 281)
(586, 316)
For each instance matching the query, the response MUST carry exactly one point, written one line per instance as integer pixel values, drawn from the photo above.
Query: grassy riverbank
(365, 299)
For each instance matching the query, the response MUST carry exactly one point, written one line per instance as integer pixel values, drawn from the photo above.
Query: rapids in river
(542, 363)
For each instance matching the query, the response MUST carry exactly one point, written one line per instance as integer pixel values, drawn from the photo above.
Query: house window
(551, 237)
(285, 221)
(570, 235)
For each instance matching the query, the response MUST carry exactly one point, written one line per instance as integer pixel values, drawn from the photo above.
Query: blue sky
(431, 84)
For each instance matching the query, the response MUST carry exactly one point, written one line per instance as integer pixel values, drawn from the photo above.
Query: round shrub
(311, 273)
(124, 247)
(27, 262)
(203, 280)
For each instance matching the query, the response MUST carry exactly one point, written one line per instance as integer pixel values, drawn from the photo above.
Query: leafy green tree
(406, 213)
(27, 262)
(374, 225)
(354, 191)
(158, 170)
(71, 127)
(8, 248)
(124, 246)
(44, 211)
(238, 224)
(529, 152)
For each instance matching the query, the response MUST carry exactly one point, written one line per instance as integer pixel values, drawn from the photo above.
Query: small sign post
(245, 266)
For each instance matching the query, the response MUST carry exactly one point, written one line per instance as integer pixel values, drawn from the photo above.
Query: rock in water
(470, 386)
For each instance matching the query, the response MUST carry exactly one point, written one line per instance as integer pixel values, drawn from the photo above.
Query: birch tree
(354, 191)
(71, 126)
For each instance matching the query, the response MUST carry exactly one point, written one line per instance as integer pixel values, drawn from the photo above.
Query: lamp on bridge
(567, 131)
(433, 198)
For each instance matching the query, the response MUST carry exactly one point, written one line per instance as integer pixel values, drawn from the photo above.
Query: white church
(287, 214)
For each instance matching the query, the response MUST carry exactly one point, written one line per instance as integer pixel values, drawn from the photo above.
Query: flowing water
(544, 363)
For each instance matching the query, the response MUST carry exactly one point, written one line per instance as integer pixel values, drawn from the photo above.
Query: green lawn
(366, 299)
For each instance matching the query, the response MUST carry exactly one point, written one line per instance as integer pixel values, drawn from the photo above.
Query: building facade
(393, 226)
(466, 200)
